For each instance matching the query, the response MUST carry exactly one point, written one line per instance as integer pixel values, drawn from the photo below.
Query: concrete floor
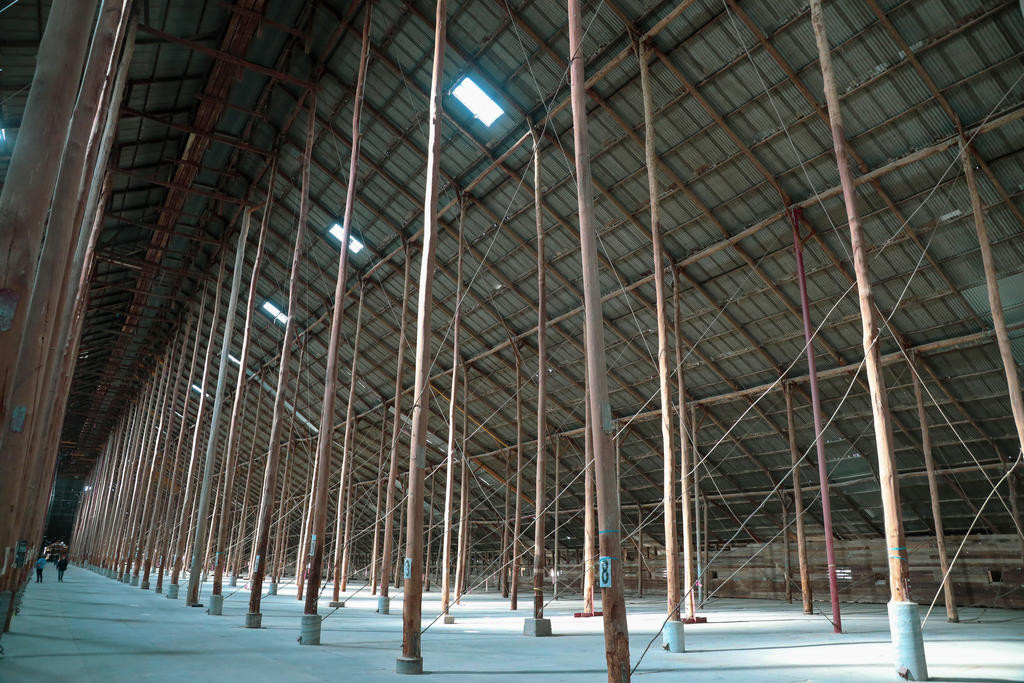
(90, 628)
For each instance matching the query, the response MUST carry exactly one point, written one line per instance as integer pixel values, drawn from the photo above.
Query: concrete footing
(233, 582)
(134, 580)
(216, 605)
(172, 591)
(409, 665)
(253, 620)
(536, 627)
(144, 585)
(672, 638)
(905, 628)
(158, 589)
(337, 603)
(272, 589)
(383, 605)
(309, 629)
(449, 618)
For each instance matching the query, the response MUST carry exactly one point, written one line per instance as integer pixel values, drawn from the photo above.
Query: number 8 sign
(604, 572)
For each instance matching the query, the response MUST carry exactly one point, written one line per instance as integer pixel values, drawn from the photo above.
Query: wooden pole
(383, 604)
(462, 569)
(687, 467)
(430, 535)
(787, 571)
(589, 523)
(612, 599)
(995, 304)
(906, 628)
(798, 504)
(819, 437)
(185, 519)
(203, 510)
(254, 616)
(341, 542)
(668, 449)
(411, 660)
(234, 435)
(375, 566)
(324, 443)
(154, 532)
(540, 483)
(347, 538)
(558, 495)
(161, 440)
(515, 545)
(172, 522)
(505, 576)
(30, 180)
(449, 482)
(933, 493)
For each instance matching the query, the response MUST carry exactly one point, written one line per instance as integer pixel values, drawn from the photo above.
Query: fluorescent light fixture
(354, 245)
(3, 135)
(274, 312)
(231, 357)
(198, 389)
(477, 101)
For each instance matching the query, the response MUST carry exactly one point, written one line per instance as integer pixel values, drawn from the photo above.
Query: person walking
(62, 566)
(40, 566)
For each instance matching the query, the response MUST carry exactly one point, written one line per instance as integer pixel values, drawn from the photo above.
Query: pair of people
(62, 566)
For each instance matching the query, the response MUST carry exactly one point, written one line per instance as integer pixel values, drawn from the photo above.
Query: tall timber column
(310, 627)
(375, 565)
(25, 201)
(515, 545)
(819, 436)
(462, 561)
(995, 304)
(411, 661)
(904, 621)
(237, 552)
(687, 467)
(672, 634)
(254, 618)
(344, 484)
(537, 625)
(384, 602)
(154, 531)
(202, 512)
(158, 454)
(798, 504)
(933, 493)
(589, 523)
(171, 527)
(449, 477)
(610, 532)
(188, 518)
(220, 556)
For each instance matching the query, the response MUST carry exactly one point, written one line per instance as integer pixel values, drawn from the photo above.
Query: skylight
(198, 389)
(274, 312)
(477, 101)
(231, 357)
(354, 245)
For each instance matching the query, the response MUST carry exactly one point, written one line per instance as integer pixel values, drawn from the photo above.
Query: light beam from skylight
(477, 101)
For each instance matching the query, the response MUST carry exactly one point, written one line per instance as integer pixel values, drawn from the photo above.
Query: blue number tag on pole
(407, 568)
(604, 572)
